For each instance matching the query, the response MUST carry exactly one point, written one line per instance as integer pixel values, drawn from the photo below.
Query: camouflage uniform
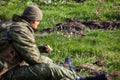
(36, 67)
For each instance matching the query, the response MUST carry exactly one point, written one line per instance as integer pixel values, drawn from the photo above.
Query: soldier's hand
(45, 48)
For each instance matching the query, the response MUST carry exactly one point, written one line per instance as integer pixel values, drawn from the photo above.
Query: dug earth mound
(77, 27)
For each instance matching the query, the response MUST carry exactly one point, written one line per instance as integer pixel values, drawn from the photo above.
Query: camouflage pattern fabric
(3, 37)
(38, 67)
(39, 72)
(23, 41)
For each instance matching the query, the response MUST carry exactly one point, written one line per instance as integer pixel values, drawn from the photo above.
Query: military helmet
(32, 13)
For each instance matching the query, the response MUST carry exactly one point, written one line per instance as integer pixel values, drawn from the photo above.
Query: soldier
(20, 58)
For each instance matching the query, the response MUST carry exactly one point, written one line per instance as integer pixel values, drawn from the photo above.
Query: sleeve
(24, 44)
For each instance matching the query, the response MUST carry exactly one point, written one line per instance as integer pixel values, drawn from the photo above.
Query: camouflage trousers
(39, 72)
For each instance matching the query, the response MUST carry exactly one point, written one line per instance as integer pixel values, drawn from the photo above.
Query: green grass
(97, 45)
(56, 12)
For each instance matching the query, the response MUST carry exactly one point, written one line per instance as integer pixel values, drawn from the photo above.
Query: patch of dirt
(97, 24)
(93, 68)
(77, 27)
(100, 63)
(96, 68)
(90, 68)
(114, 75)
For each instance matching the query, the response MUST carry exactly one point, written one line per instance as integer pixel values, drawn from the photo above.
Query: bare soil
(76, 26)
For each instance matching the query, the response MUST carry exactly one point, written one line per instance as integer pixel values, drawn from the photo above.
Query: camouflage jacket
(22, 36)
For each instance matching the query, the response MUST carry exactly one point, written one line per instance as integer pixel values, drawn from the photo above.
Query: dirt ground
(77, 27)
(96, 68)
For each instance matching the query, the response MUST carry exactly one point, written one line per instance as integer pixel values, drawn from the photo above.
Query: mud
(77, 27)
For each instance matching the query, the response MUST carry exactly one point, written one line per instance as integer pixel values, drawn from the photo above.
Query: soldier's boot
(68, 61)
(101, 76)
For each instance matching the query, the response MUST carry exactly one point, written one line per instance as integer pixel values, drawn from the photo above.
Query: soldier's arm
(24, 44)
